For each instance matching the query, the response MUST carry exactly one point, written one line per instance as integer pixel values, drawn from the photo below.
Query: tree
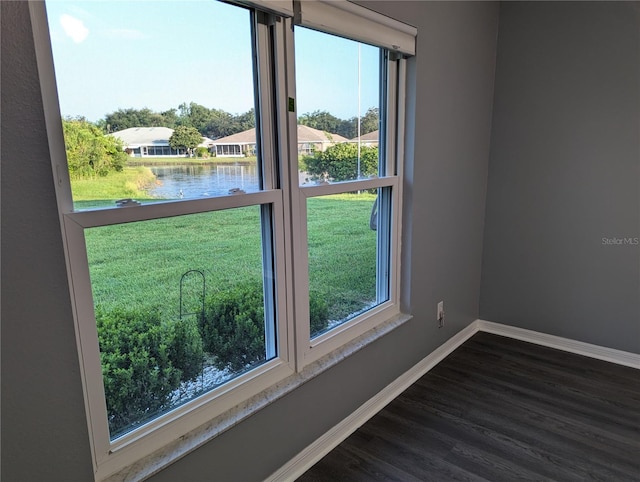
(214, 123)
(370, 121)
(245, 121)
(348, 128)
(194, 115)
(340, 162)
(186, 138)
(169, 118)
(126, 118)
(321, 120)
(89, 152)
(221, 124)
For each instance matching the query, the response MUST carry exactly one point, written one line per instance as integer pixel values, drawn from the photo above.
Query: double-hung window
(229, 182)
(352, 266)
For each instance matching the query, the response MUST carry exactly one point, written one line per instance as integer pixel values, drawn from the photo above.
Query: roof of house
(206, 142)
(371, 136)
(148, 136)
(305, 134)
(244, 137)
(309, 134)
(134, 136)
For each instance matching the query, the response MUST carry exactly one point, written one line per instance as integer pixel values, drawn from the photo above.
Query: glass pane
(179, 307)
(134, 130)
(343, 258)
(338, 89)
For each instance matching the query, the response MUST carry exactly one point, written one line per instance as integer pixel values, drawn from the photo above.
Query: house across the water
(152, 142)
(244, 143)
(370, 139)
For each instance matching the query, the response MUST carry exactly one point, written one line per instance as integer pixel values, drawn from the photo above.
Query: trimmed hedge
(145, 358)
(137, 371)
(232, 327)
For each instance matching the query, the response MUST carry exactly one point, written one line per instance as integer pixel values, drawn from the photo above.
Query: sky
(112, 55)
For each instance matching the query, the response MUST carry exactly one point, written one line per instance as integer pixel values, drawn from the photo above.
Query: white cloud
(74, 28)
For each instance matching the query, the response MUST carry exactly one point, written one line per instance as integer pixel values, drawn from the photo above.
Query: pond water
(191, 181)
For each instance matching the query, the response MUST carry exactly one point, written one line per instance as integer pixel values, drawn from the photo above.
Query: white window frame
(111, 455)
(277, 124)
(310, 350)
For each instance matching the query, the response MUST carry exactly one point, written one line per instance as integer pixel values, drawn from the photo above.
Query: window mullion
(298, 211)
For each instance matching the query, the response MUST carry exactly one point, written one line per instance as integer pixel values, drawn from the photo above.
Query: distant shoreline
(164, 161)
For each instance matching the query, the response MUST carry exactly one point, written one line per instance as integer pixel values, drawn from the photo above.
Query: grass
(342, 252)
(141, 264)
(132, 182)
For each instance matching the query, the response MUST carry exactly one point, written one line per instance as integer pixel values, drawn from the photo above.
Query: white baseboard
(327, 442)
(578, 347)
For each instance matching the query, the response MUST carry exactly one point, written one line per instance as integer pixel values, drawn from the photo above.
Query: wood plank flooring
(499, 409)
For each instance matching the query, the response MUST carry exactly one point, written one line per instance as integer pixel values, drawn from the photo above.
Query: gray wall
(565, 172)
(44, 433)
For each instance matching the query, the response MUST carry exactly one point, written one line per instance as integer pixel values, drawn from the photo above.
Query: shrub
(135, 348)
(89, 152)
(202, 153)
(144, 359)
(186, 350)
(340, 162)
(232, 328)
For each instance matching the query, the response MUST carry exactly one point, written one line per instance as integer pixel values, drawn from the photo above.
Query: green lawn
(103, 191)
(141, 264)
(342, 251)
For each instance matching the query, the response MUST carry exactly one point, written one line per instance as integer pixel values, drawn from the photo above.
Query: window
(230, 150)
(343, 259)
(200, 281)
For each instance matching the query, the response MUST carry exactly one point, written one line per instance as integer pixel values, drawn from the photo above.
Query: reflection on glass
(123, 115)
(338, 88)
(342, 258)
(179, 307)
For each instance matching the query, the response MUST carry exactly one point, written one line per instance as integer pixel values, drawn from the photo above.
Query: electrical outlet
(440, 314)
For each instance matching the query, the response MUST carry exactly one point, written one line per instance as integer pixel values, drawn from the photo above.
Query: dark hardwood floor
(499, 409)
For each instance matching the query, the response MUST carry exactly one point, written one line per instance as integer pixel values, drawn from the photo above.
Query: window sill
(155, 462)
